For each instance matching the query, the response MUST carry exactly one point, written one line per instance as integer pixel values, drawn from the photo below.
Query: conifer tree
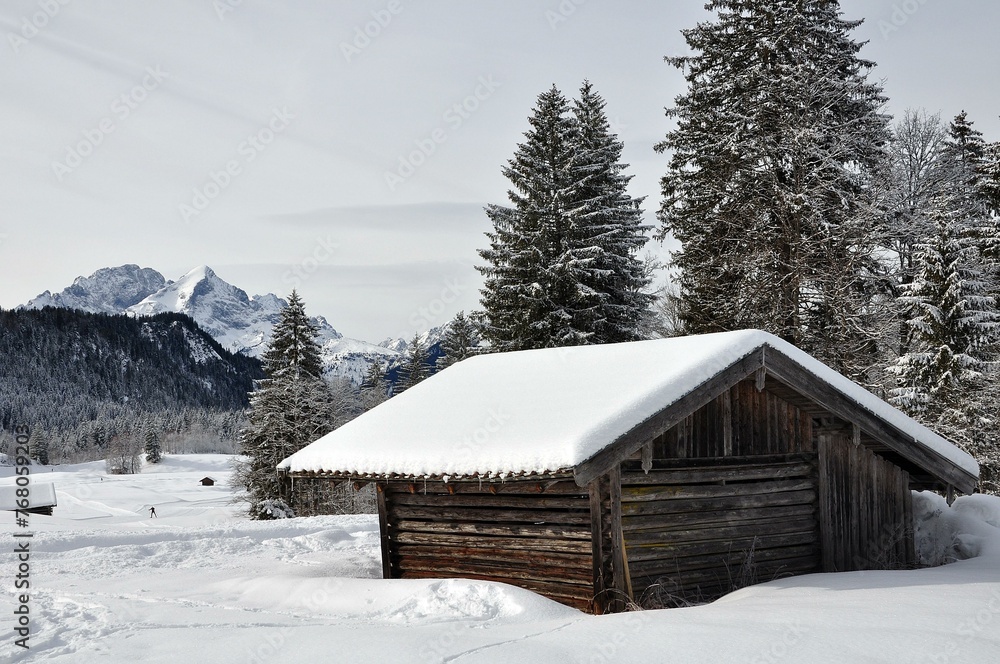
(414, 368)
(561, 267)
(965, 165)
(953, 326)
(374, 389)
(152, 445)
(966, 150)
(38, 443)
(607, 230)
(525, 283)
(288, 410)
(953, 321)
(461, 340)
(778, 139)
(990, 179)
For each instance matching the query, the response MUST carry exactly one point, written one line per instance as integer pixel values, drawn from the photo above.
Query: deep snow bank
(967, 529)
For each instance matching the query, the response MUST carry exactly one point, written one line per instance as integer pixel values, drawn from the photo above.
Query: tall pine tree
(561, 267)
(990, 178)
(953, 325)
(38, 443)
(152, 445)
(461, 340)
(288, 410)
(966, 170)
(607, 230)
(778, 139)
(526, 284)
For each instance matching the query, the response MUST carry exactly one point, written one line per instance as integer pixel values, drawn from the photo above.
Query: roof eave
(786, 370)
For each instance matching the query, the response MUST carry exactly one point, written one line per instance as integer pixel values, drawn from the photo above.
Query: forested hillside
(81, 380)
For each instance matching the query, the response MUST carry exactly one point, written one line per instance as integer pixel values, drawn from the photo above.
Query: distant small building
(208, 481)
(41, 498)
(664, 472)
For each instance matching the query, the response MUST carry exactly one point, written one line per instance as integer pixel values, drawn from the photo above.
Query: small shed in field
(662, 471)
(41, 498)
(208, 481)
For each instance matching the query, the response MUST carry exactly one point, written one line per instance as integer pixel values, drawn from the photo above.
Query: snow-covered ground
(201, 584)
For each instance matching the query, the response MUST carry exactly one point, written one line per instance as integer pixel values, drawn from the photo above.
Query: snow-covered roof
(40, 494)
(543, 411)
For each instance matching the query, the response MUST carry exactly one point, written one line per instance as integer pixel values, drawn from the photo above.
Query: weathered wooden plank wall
(697, 532)
(731, 498)
(746, 423)
(865, 507)
(532, 535)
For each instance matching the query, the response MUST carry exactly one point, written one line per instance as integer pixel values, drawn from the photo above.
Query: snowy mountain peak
(109, 290)
(237, 321)
(427, 339)
(201, 294)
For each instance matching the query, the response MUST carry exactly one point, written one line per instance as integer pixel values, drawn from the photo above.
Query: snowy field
(201, 584)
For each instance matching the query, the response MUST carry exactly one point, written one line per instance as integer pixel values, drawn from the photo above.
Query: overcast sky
(278, 143)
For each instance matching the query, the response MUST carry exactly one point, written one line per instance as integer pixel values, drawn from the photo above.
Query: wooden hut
(660, 472)
(41, 498)
(207, 481)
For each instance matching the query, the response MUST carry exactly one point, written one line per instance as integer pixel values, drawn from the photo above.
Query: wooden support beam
(727, 422)
(597, 547)
(383, 528)
(647, 457)
(619, 559)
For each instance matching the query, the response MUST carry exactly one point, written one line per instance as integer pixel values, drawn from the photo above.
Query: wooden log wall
(742, 422)
(697, 531)
(536, 535)
(866, 509)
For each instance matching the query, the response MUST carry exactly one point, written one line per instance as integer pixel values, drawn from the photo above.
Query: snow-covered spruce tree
(288, 410)
(990, 178)
(954, 323)
(152, 445)
(606, 231)
(526, 285)
(374, 389)
(38, 443)
(966, 148)
(561, 267)
(965, 165)
(461, 340)
(414, 367)
(778, 140)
